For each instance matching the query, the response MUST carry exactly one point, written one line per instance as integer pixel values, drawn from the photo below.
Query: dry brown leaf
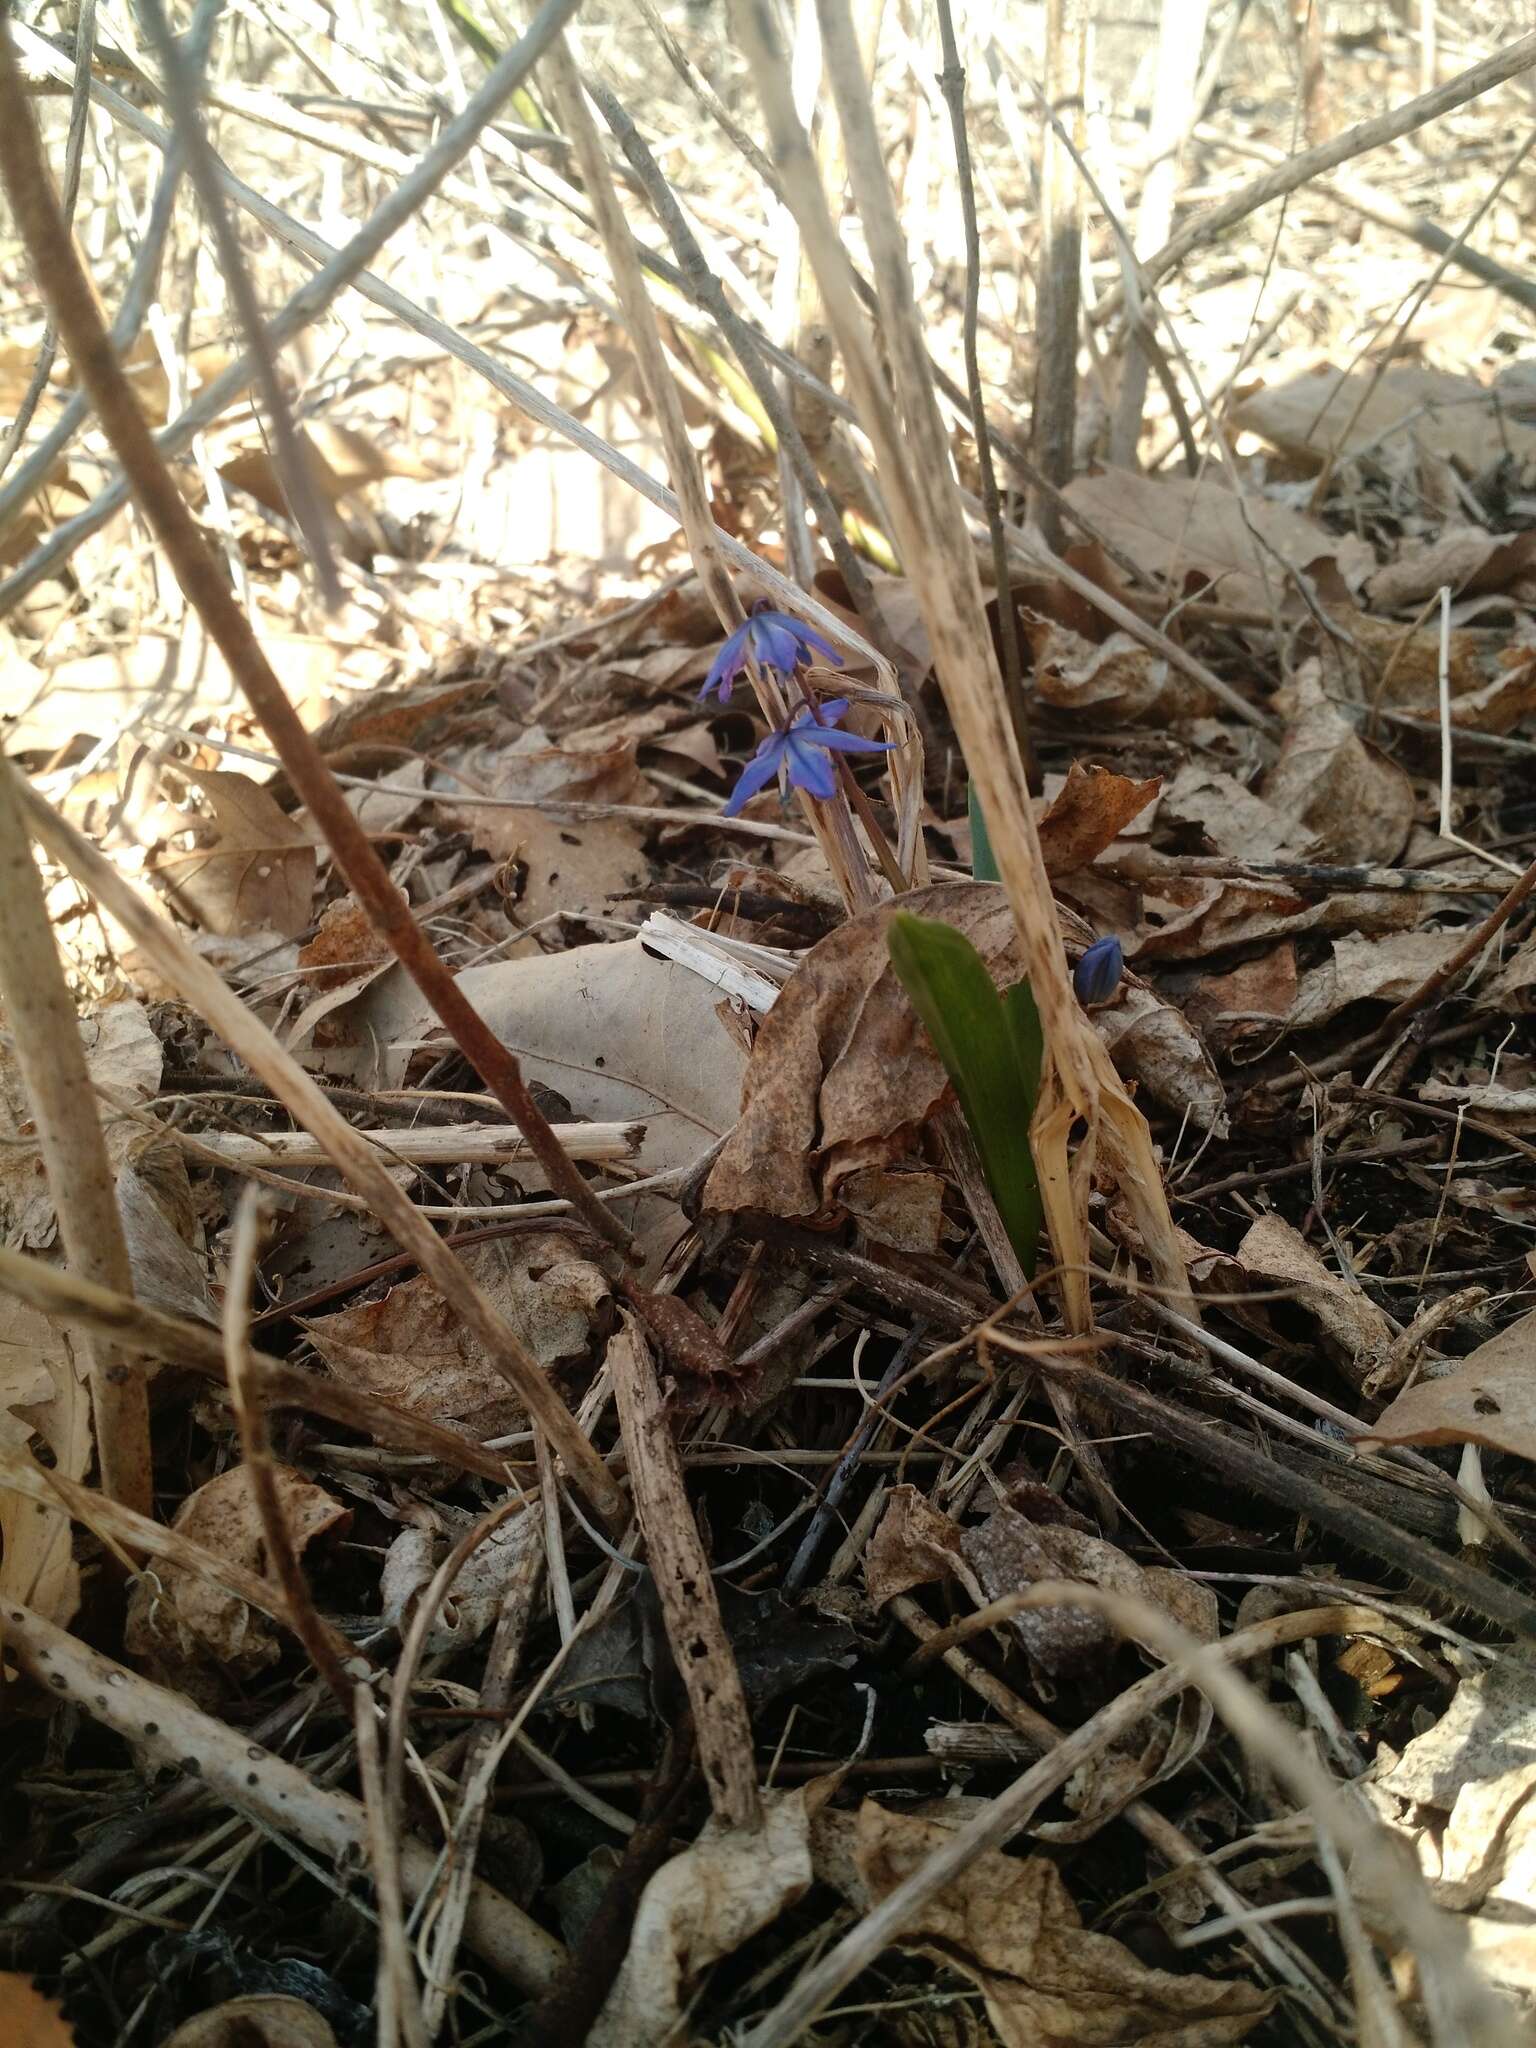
(341, 460)
(914, 1545)
(344, 943)
(1010, 1925)
(410, 1347)
(583, 767)
(1250, 1004)
(703, 1905)
(1467, 558)
(42, 1395)
(255, 870)
(182, 1621)
(1112, 678)
(558, 865)
(1452, 418)
(1491, 678)
(1363, 970)
(843, 1076)
(1514, 1106)
(1513, 987)
(1489, 1398)
(1092, 808)
(1154, 1041)
(1354, 1328)
(265, 2020)
(1351, 802)
(1230, 818)
(28, 2019)
(1197, 534)
(1188, 917)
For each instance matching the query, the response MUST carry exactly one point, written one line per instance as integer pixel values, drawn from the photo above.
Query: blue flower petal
(840, 742)
(811, 769)
(727, 664)
(759, 771)
(775, 641)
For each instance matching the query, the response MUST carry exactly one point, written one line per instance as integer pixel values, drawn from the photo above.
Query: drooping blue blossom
(804, 750)
(771, 639)
(1097, 975)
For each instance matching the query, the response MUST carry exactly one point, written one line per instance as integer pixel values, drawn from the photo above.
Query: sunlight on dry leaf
(255, 868)
(1452, 417)
(1489, 1398)
(1092, 808)
(703, 1905)
(1010, 1926)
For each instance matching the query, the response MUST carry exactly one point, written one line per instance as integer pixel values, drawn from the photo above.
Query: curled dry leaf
(1093, 807)
(1489, 1398)
(1189, 916)
(410, 1348)
(1251, 1003)
(1466, 558)
(1491, 678)
(703, 1905)
(1197, 535)
(181, 1621)
(1116, 677)
(914, 1545)
(1230, 818)
(262, 2021)
(42, 1395)
(1355, 1330)
(475, 1598)
(1009, 1924)
(255, 868)
(1346, 801)
(1514, 1106)
(843, 1076)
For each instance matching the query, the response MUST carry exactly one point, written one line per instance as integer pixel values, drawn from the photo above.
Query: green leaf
(991, 1047)
(983, 860)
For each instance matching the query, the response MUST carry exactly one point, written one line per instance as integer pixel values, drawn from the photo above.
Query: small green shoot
(992, 1047)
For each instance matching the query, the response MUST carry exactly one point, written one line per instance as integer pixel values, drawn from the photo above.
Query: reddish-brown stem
(58, 272)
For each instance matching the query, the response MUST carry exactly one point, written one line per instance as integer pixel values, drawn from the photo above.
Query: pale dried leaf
(265, 2020)
(1364, 970)
(43, 1394)
(1010, 1925)
(255, 870)
(1449, 417)
(1231, 818)
(412, 1349)
(1198, 534)
(558, 865)
(182, 1620)
(1466, 558)
(1354, 1328)
(700, 1906)
(1116, 677)
(1488, 1398)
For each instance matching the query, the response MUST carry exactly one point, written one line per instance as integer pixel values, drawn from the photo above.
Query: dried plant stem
(40, 1015)
(397, 2000)
(952, 85)
(832, 822)
(249, 1039)
(61, 277)
(689, 1605)
(327, 1653)
(169, 1730)
(1058, 289)
(151, 1333)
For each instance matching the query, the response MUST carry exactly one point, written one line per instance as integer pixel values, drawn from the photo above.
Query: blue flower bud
(1097, 974)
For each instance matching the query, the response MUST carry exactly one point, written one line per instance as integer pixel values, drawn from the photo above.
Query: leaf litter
(818, 1362)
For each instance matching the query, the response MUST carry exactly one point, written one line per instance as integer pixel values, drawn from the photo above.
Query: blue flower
(804, 748)
(1097, 975)
(773, 640)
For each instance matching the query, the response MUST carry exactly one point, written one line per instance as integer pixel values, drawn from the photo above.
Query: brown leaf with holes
(1489, 1399)
(254, 870)
(1093, 807)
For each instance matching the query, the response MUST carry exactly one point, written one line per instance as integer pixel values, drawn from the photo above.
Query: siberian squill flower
(771, 639)
(1097, 975)
(804, 750)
